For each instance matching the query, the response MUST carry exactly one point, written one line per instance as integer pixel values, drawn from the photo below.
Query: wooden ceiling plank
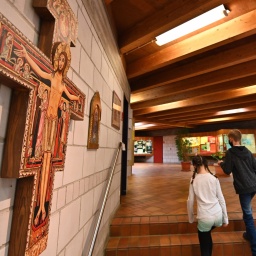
(152, 128)
(198, 82)
(190, 123)
(149, 121)
(229, 119)
(208, 90)
(167, 125)
(205, 113)
(226, 105)
(237, 54)
(191, 102)
(169, 17)
(231, 30)
(206, 116)
(107, 2)
(208, 112)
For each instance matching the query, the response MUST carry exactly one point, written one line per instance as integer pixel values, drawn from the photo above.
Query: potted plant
(218, 156)
(184, 149)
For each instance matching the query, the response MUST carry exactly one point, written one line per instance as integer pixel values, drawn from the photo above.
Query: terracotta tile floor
(162, 189)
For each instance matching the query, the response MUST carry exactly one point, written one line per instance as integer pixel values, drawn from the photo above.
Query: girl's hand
(224, 225)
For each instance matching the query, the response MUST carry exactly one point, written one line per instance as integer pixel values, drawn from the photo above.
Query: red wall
(158, 149)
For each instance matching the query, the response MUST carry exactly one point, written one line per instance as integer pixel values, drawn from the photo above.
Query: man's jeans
(245, 201)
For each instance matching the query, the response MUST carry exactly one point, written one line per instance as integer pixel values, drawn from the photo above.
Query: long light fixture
(143, 125)
(232, 111)
(192, 25)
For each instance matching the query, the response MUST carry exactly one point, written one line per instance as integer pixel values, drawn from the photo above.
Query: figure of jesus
(61, 62)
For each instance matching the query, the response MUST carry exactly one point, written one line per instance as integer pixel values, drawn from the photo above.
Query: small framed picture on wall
(94, 122)
(116, 111)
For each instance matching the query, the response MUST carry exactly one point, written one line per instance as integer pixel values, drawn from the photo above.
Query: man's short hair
(235, 134)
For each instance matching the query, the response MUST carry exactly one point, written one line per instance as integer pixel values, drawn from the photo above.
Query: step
(225, 244)
(164, 225)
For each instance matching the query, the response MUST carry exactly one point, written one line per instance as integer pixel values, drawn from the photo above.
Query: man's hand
(220, 161)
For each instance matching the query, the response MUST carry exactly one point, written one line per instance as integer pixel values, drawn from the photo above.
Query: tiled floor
(162, 189)
(152, 218)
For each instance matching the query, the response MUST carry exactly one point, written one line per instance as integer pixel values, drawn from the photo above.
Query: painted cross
(58, 23)
(43, 102)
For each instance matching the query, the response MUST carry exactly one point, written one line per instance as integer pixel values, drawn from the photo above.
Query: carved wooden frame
(94, 123)
(116, 111)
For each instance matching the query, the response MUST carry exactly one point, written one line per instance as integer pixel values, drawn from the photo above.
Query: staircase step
(225, 244)
(164, 225)
(172, 235)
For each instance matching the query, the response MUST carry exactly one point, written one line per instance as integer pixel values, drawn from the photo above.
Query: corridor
(162, 189)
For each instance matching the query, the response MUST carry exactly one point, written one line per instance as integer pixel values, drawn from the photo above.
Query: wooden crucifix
(42, 103)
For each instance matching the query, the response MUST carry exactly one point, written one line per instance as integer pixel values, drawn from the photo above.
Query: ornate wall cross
(42, 103)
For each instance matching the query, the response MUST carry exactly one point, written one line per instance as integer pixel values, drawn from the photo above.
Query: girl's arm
(190, 204)
(222, 202)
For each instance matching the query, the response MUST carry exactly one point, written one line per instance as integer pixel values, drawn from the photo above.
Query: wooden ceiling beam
(198, 82)
(107, 2)
(205, 116)
(225, 105)
(225, 33)
(166, 125)
(191, 102)
(194, 115)
(168, 17)
(146, 121)
(208, 112)
(239, 53)
(228, 119)
(174, 123)
(160, 127)
(192, 122)
(207, 90)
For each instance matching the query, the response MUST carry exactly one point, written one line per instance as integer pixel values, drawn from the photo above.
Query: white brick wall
(78, 189)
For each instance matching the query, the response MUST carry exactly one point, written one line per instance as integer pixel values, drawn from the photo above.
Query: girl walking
(211, 206)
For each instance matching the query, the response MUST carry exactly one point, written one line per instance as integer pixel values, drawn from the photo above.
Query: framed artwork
(94, 123)
(116, 111)
(36, 139)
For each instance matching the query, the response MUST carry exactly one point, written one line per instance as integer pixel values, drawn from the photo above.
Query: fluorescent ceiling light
(192, 25)
(139, 124)
(217, 119)
(143, 125)
(232, 111)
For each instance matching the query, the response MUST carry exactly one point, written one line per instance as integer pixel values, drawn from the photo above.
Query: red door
(158, 149)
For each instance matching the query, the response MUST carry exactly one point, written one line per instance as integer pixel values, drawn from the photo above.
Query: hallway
(155, 205)
(162, 189)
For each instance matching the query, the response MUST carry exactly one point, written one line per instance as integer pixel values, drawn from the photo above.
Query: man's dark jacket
(241, 162)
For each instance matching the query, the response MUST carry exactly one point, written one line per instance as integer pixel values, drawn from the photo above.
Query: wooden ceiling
(206, 77)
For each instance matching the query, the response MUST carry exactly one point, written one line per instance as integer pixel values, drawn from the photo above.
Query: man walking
(241, 163)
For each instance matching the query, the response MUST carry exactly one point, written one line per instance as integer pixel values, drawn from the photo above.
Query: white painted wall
(78, 188)
(169, 150)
